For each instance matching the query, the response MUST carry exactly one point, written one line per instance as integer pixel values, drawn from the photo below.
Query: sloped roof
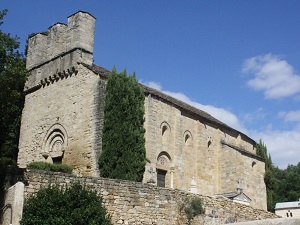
(239, 196)
(97, 69)
(202, 114)
(285, 205)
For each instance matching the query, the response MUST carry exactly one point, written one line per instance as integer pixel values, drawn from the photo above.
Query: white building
(288, 209)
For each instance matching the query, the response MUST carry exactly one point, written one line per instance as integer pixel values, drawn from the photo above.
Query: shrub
(192, 208)
(74, 206)
(50, 167)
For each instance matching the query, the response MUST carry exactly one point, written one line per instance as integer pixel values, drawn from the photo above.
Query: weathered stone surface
(199, 154)
(72, 105)
(189, 149)
(125, 201)
(280, 221)
(13, 204)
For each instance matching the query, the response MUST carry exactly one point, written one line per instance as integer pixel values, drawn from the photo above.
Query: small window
(164, 130)
(209, 143)
(187, 137)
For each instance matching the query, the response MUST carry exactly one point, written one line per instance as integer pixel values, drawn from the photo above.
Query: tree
(282, 185)
(123, 153)
(288, 184)
(269, 178)
(12, 79)
(75, 205)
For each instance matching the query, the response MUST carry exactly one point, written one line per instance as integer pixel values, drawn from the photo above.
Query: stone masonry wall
(185, 142)
(137, 203)
(54, 54)
(248, 171)
(73, 105)
(279, 221)
(194, 151)
(61, 39)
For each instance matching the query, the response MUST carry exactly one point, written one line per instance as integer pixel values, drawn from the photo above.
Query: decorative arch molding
(164, 153)
(164, 160)
(54, 143)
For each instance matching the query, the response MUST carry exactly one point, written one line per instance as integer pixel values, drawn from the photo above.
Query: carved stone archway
(54, 143)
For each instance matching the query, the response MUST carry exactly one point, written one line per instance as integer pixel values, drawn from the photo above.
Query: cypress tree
(123, 151)
(269, 177)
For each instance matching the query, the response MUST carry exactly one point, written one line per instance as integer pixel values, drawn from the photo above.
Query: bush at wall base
(50, 167)
(73, 206)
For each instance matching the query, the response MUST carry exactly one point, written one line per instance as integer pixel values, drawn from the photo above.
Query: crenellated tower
(60, 49)
(62, 117)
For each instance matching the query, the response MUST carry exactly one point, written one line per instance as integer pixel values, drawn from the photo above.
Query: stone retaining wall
(279, 221)
(137, 203)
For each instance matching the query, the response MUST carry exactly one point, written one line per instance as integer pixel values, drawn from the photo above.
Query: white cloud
(272, 75)
(291, 116)
(282, 145)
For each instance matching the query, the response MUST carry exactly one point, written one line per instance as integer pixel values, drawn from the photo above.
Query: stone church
(63, 116)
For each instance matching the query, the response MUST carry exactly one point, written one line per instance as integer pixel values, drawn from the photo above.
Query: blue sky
(237, 60)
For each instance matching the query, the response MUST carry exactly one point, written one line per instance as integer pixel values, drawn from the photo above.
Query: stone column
(172, 177)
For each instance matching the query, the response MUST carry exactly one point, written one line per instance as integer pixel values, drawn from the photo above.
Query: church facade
(63, 115)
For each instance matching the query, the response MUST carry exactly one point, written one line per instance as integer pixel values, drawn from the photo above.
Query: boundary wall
(279, 221)
(136, 203)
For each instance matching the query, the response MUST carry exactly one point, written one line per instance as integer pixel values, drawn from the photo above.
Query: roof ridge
(193, 110)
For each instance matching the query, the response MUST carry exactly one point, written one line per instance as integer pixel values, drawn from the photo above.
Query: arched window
(165, 132)
(188, 139)
(164, 129)
(187, 136)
